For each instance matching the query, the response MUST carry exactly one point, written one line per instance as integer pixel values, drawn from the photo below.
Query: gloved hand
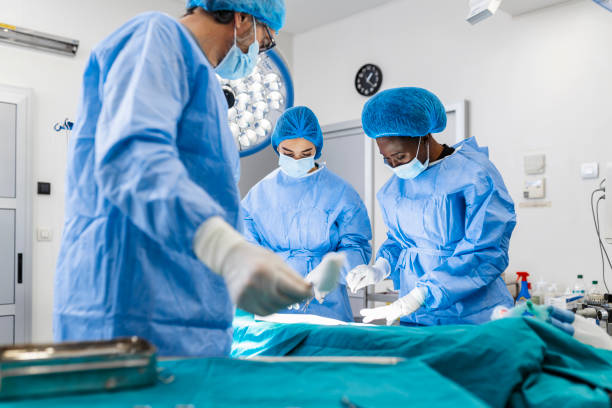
(400, 308)
(364, 275)
(325, 276)
(258, 281)
(582, 329)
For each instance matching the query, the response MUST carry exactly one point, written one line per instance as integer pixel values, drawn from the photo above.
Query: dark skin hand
(398, 150)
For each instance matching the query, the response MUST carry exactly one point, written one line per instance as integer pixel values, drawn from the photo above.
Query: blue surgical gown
(151, 157)
(302, 219)
(449, 231)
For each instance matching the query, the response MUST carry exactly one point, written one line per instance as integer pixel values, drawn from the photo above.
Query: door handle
(19, 268)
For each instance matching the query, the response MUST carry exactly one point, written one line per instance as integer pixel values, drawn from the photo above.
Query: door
(348, 153)
(15, 250)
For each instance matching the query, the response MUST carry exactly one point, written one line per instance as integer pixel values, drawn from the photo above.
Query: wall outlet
(534, 189)
(589, 170)
(534, 163)
(44, 234)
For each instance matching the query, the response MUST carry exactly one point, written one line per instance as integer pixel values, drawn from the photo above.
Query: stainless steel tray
(330, 359)
(45, 369)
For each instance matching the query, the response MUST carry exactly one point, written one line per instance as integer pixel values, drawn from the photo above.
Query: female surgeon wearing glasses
(448, 214)
(302, 211)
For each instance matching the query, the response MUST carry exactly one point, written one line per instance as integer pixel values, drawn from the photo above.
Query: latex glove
(582, 329)
(559, 318)
(325, 276)
(364, 275)
(258, 281)
(400, 308)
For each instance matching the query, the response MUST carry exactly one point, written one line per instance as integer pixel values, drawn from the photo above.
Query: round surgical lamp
(257, 101)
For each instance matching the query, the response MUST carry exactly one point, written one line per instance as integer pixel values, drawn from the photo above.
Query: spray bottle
(523, 295)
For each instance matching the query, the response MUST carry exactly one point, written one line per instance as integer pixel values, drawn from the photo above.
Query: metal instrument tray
(45, 369)
(330, 359)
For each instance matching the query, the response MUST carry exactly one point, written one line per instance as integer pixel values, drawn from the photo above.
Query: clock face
(368, 80)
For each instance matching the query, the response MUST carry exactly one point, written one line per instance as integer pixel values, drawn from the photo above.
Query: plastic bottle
(579, 287)
(523, 294)
(595, 295)
(539, 292)
(552, 291)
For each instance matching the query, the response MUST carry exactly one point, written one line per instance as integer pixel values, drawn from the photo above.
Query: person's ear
(239, 19)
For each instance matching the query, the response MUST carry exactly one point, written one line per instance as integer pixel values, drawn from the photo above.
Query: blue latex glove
(582, 329)
(562, 319)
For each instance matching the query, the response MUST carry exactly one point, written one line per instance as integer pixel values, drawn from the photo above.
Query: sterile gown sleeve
(137, 165)
(355, 233)
(250, 229)
(391, 250)
(482, 255)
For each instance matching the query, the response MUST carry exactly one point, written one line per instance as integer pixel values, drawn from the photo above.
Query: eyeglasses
(271, 42)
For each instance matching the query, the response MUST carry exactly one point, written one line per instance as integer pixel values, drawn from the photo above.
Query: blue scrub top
(151, 158)
(303, 219)
(449, 231)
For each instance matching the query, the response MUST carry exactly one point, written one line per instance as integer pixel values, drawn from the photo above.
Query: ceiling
(304, 15)
(518, 7)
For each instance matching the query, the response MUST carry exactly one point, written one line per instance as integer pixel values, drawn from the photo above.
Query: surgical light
(607, 4)
(482, 9)
(256, 102)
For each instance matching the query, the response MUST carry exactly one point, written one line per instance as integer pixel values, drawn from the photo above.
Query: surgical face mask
(236, 63)
(296, 168)
(414, 167)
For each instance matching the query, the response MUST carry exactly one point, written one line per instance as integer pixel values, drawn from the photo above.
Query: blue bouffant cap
(297, 122)
(270, 12)
(411, 112)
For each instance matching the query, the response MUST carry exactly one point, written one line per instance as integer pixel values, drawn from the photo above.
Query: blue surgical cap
(297, 122)
(412, 112)
(270, 12)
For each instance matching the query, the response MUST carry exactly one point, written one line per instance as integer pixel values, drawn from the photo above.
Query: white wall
(284, 44)
(56, 81)
(537, 83)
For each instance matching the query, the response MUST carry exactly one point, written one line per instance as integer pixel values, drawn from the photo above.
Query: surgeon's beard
(239, 40)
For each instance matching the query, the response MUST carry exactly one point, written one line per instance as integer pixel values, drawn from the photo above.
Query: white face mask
(295, 168)
(236, 64)
(414, 167)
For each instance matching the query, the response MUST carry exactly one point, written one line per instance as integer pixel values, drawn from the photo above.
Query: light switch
(589, 170)
(534, 164)
(44, 188)
(44, 234)
(535, 189)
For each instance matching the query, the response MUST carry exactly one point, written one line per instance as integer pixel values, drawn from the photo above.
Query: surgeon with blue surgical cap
(303, 212)
(448, 214)
(152, 244)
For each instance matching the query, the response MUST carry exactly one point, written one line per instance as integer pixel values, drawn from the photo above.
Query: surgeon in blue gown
(151, 244)
(302, 211)
(448, 214)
